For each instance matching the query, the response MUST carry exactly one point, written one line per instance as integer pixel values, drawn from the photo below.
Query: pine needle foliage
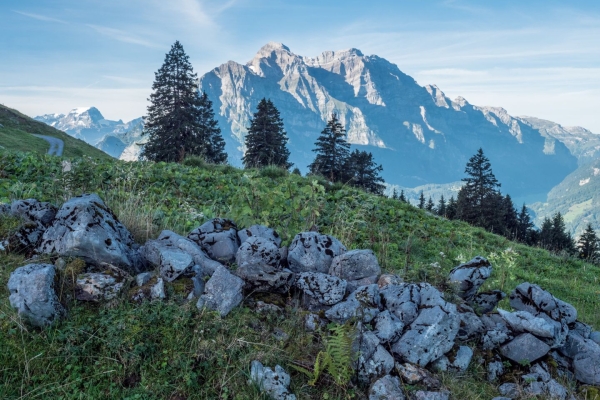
(332, 151)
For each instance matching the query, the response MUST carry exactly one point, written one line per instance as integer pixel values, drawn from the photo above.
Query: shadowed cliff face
(417, 133)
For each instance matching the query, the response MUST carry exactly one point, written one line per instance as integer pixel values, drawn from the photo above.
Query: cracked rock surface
(275, 383)
(470, 276)
(313, 252)
(324, 288)
(222, 293)
(259, 231)
(259, 265)
(218, 238)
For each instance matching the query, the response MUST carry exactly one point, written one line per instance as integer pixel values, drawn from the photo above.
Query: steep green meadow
(171, 350)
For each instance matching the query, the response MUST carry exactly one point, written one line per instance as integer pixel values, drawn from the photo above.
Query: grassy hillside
(16, 131)
(170, 350)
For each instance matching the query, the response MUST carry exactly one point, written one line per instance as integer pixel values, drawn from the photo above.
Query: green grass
(16, 134)
(170, 350)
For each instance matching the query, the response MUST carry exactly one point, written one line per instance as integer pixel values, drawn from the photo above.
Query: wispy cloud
(123, 36)
(41, 17)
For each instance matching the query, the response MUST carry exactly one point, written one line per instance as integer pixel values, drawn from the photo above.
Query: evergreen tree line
(181, 123)
(480, 203)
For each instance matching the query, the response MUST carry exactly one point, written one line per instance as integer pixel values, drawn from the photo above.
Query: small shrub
(195, 161)
(273, 172)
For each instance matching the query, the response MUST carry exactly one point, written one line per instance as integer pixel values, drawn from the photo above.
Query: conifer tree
(332, 151)
(421, 200)
(509, 218)
(451, 208)
(441, 208)
(430, 205)
(524, 227)
(211, 144)
(177, 116)
(395, 194)
(266, 139)
(402, 197)
(361, 171)
(589, 245)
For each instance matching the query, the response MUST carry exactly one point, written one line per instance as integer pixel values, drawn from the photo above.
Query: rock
(410, 373)
(441, 364)
(402, 300)
(313, 252)
(84, 227)
(388, 279)
(470, 276)
(524, 348)
(576, 344)
(595, 336)
(259, 231)
(280, 335)
(538, 372)
(534, 389)
(363, 303)
(380, 363)
(218, 238)
(485, 302)
(313, 322)
(143, 278)
(555, 390)
(583, 329)
(523, 321)
(200, 258)
(363, 346)
(258, 261)
(386, 388)
(98, 287)
(32, 294)
(157, 291)
(267, 308)
(388, 327)
(509, 390)
(587, 367)
(532, 298)
(274, 383)
(222, 293)
(470, 326)
(171, 261)
(36, 217)
(495, 369)
(423, 395)
(462, 359)
(324, 288)
(357, 267)
(494, 338)
(430, 336)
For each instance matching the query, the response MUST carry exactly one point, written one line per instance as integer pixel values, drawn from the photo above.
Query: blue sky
(539, 58)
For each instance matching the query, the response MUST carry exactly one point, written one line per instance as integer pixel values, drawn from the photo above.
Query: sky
(537, 57)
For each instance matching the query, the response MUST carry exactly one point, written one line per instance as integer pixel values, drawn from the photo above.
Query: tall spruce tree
(451, 208)
(211, 144)
(332, 152)
(266, 139)
(395, 194)
(509, 218)
(441, 208)
(361, 171)
(178, 123)
(402, 197)
(589, 245)
(479, 201)
(421, 204)
(524, 227)
(430, 205)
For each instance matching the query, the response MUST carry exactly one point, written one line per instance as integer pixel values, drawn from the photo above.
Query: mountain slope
(16, 133)
(417, 133)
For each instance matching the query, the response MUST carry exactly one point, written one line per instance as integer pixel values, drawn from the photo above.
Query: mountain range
(421, 137)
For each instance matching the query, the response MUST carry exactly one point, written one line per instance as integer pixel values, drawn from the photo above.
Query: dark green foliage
(332, 152)
(421, 201)
(402, 197)
(509, 218)
(589, 245)
(179, 122)
(430, 205)
(266, 138)
(525, 232)
(362, 172)
(451, 208)
(554, 236)
(441, 208)
(296, 171)
(395, 194)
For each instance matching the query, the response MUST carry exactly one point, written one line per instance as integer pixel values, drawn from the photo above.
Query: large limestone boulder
(275, 383)
(386, 388)
(199, 256)
(540, 303)
(218, 238)
(171, 261)
(222, 293)
(313, 252)
(259, 265)
(259, 231)
(32, 294)
(84, 227)
(470, 276)
(325, 289)
(524, 348)
(362, 304)
(357, 267)
(36, 217)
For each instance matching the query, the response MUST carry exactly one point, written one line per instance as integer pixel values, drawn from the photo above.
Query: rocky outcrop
(274, 383)
(222, 293)
(259, 265)
(357, 267)
(35, 216)
(470, 276)
(313, 252)
(218, 238)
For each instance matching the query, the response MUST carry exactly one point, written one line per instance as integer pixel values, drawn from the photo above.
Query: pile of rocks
(403, 329)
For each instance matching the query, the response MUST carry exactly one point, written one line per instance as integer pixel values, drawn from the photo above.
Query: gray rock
(587, 367)
(595, 336)
(364, 346)
(98, 287)
(509, 389)
(532, 298)
(402, 300)
(463, 358)
(583, 329)
(267, 308)
(84, 227)
(576, 344)
(534, 389)
(386, 388)
(430, 336)
(36, 217)
(258, 260)
(486, 302)
(222, 293)
(313, 252)
(431, 297)
(379, 364)
(470, 276)
(274, 383)
(363, 304)
(171, 261)
(470, 326)
(555, 390)
(357, 267)
(442, 364)
(495, 369)
(410, 373)
(494, 338)
(523, 321)
(259, 231)
(423, 395)
(538, 372)
(32, 294)
(524, 348)
(157, 291)
(313, 322)
(198, 281)
(388, 279)
(388, 327)
(324, 288)
(200, 257)
(143, 278)
(218, 238)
